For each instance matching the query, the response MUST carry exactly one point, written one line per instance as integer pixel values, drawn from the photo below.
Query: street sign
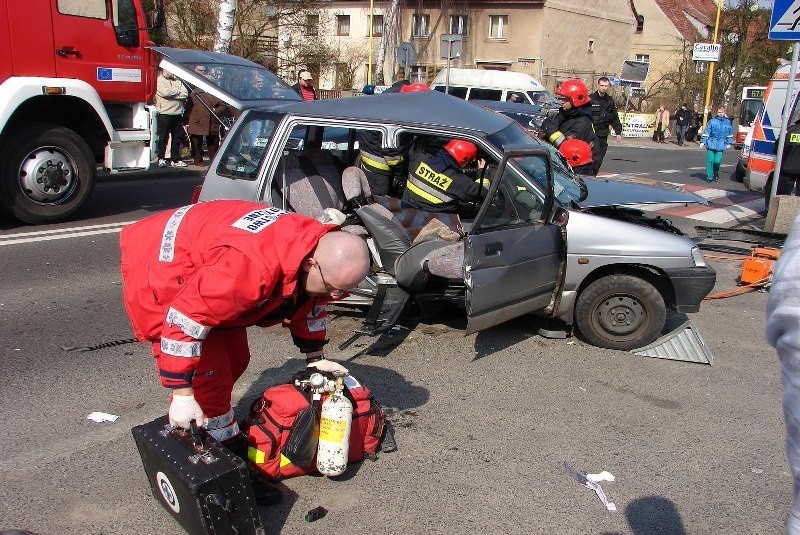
(406, 55)
(450, 45)
(785, 22)
(706, 51)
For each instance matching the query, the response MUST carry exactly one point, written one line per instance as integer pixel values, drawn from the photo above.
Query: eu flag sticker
(104, 74)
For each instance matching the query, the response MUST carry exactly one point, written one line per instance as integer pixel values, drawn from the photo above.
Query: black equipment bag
(200, 482)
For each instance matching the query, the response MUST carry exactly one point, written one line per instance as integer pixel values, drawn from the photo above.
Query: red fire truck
(75, 80)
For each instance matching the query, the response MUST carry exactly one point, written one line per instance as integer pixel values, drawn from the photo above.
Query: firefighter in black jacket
(385, 167)
(790, 162)
(437, 183)
(604, 115)
(574, 119)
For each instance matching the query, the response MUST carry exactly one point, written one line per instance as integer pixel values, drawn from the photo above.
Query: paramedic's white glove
(325, 365)
(183, 410)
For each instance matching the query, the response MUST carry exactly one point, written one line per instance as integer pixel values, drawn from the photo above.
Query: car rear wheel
(620, 312)
(46, 173)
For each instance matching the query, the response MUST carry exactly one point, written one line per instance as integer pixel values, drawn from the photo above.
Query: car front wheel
(620, 312)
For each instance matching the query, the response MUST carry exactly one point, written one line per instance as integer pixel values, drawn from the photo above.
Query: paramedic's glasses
(334, 292)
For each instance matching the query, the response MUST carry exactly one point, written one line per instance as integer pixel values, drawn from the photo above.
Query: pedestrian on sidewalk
(683, 118)
(662, 123)
(717, 139)
(604, 115)
(171, 95)
(305, 85)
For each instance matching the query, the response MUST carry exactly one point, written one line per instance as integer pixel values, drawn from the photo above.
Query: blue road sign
(785, 22)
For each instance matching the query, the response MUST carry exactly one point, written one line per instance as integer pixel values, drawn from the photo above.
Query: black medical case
(201, 483)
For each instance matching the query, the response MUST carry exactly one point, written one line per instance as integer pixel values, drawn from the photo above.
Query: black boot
(266, 493)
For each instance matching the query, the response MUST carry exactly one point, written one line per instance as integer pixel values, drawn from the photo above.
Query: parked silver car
(543, 241)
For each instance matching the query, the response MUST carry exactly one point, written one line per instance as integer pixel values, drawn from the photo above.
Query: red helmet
(575, 91)
(576, 151)
(463, 151)
(413, 88)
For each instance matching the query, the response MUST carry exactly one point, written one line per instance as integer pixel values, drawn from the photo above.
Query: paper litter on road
(102, 417)
(590, 481)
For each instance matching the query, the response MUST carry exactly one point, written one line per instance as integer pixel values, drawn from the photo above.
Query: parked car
(542, 242)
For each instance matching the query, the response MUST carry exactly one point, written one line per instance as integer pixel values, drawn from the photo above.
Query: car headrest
(354, 184)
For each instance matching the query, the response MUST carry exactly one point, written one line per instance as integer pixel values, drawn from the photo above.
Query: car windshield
(245, 82)
(568, 187)
(544, 99)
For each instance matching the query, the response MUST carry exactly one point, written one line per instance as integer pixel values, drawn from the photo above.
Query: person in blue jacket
(717, 139)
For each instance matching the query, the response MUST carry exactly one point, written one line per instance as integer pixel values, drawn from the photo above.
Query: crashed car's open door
(513, 253)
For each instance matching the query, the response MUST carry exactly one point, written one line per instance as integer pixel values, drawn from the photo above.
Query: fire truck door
(91, 44)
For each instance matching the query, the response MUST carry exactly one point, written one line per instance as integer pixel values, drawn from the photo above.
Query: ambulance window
(92, 9)
(477, 93)
(245, 149)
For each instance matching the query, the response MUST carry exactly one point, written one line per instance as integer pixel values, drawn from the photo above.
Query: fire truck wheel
(47, 173)
(620, 312)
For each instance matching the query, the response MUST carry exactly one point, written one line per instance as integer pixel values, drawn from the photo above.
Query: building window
(342, 24)
(377, 25)
(312, 24)
(498, 26)
(640, 23)
(458, 24)
(643, 58)
(419, 25)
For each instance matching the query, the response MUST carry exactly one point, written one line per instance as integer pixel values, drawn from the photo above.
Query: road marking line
(64, 230)
(61, 236)
(670, 171)
(696, 168)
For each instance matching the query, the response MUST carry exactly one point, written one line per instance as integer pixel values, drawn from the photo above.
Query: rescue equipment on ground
(284, 429)
(200, 482)
(756, 271)
(334, 432)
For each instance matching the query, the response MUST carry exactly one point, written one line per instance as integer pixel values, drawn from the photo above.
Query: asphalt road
(484, 422)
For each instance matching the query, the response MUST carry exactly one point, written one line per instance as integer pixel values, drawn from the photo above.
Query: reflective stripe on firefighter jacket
(437, 183)
(218, 265)
(574, 123)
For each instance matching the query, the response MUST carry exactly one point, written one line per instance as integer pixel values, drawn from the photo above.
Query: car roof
(424, 108)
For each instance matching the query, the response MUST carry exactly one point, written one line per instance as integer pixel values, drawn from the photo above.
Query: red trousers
(225, 358)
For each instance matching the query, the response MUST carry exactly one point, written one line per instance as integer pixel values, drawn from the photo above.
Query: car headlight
(698, 258)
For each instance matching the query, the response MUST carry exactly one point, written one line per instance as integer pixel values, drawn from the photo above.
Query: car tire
(38, 154)
(620, 312)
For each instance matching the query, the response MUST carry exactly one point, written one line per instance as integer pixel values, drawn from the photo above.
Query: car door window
(517, 201)
(245, 152)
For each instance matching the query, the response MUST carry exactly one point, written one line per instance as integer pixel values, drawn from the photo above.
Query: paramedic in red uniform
(195, 278)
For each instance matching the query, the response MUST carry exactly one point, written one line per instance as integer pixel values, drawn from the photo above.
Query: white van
(480, 84)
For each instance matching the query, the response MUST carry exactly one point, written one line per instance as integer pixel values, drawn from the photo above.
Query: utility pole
(711, 71)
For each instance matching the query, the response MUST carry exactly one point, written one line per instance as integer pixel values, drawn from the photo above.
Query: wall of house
(659, 40)
(586, 39)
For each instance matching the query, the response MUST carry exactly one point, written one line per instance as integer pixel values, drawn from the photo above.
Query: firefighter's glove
(325, 365)
(183, 410)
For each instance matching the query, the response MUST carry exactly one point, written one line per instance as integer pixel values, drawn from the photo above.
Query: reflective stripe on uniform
(556, 138)
(170, 232)
(177, 348)
(419, 192)
(381, 163)
(187, 324)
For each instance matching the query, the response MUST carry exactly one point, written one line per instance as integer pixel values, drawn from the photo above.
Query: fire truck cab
(74, 94)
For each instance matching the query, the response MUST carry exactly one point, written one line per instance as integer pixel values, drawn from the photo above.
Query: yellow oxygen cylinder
(334, 432)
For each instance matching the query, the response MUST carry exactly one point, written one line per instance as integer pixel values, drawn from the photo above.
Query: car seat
(312, 183)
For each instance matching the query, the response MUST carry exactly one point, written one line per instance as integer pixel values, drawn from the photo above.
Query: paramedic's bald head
(342, 260)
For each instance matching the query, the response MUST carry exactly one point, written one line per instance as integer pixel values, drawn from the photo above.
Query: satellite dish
(406, 55)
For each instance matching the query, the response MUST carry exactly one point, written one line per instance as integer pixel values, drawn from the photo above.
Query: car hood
(624, 190)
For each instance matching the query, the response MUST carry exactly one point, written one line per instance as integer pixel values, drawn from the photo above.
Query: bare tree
(350, 59)
(388, 39)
